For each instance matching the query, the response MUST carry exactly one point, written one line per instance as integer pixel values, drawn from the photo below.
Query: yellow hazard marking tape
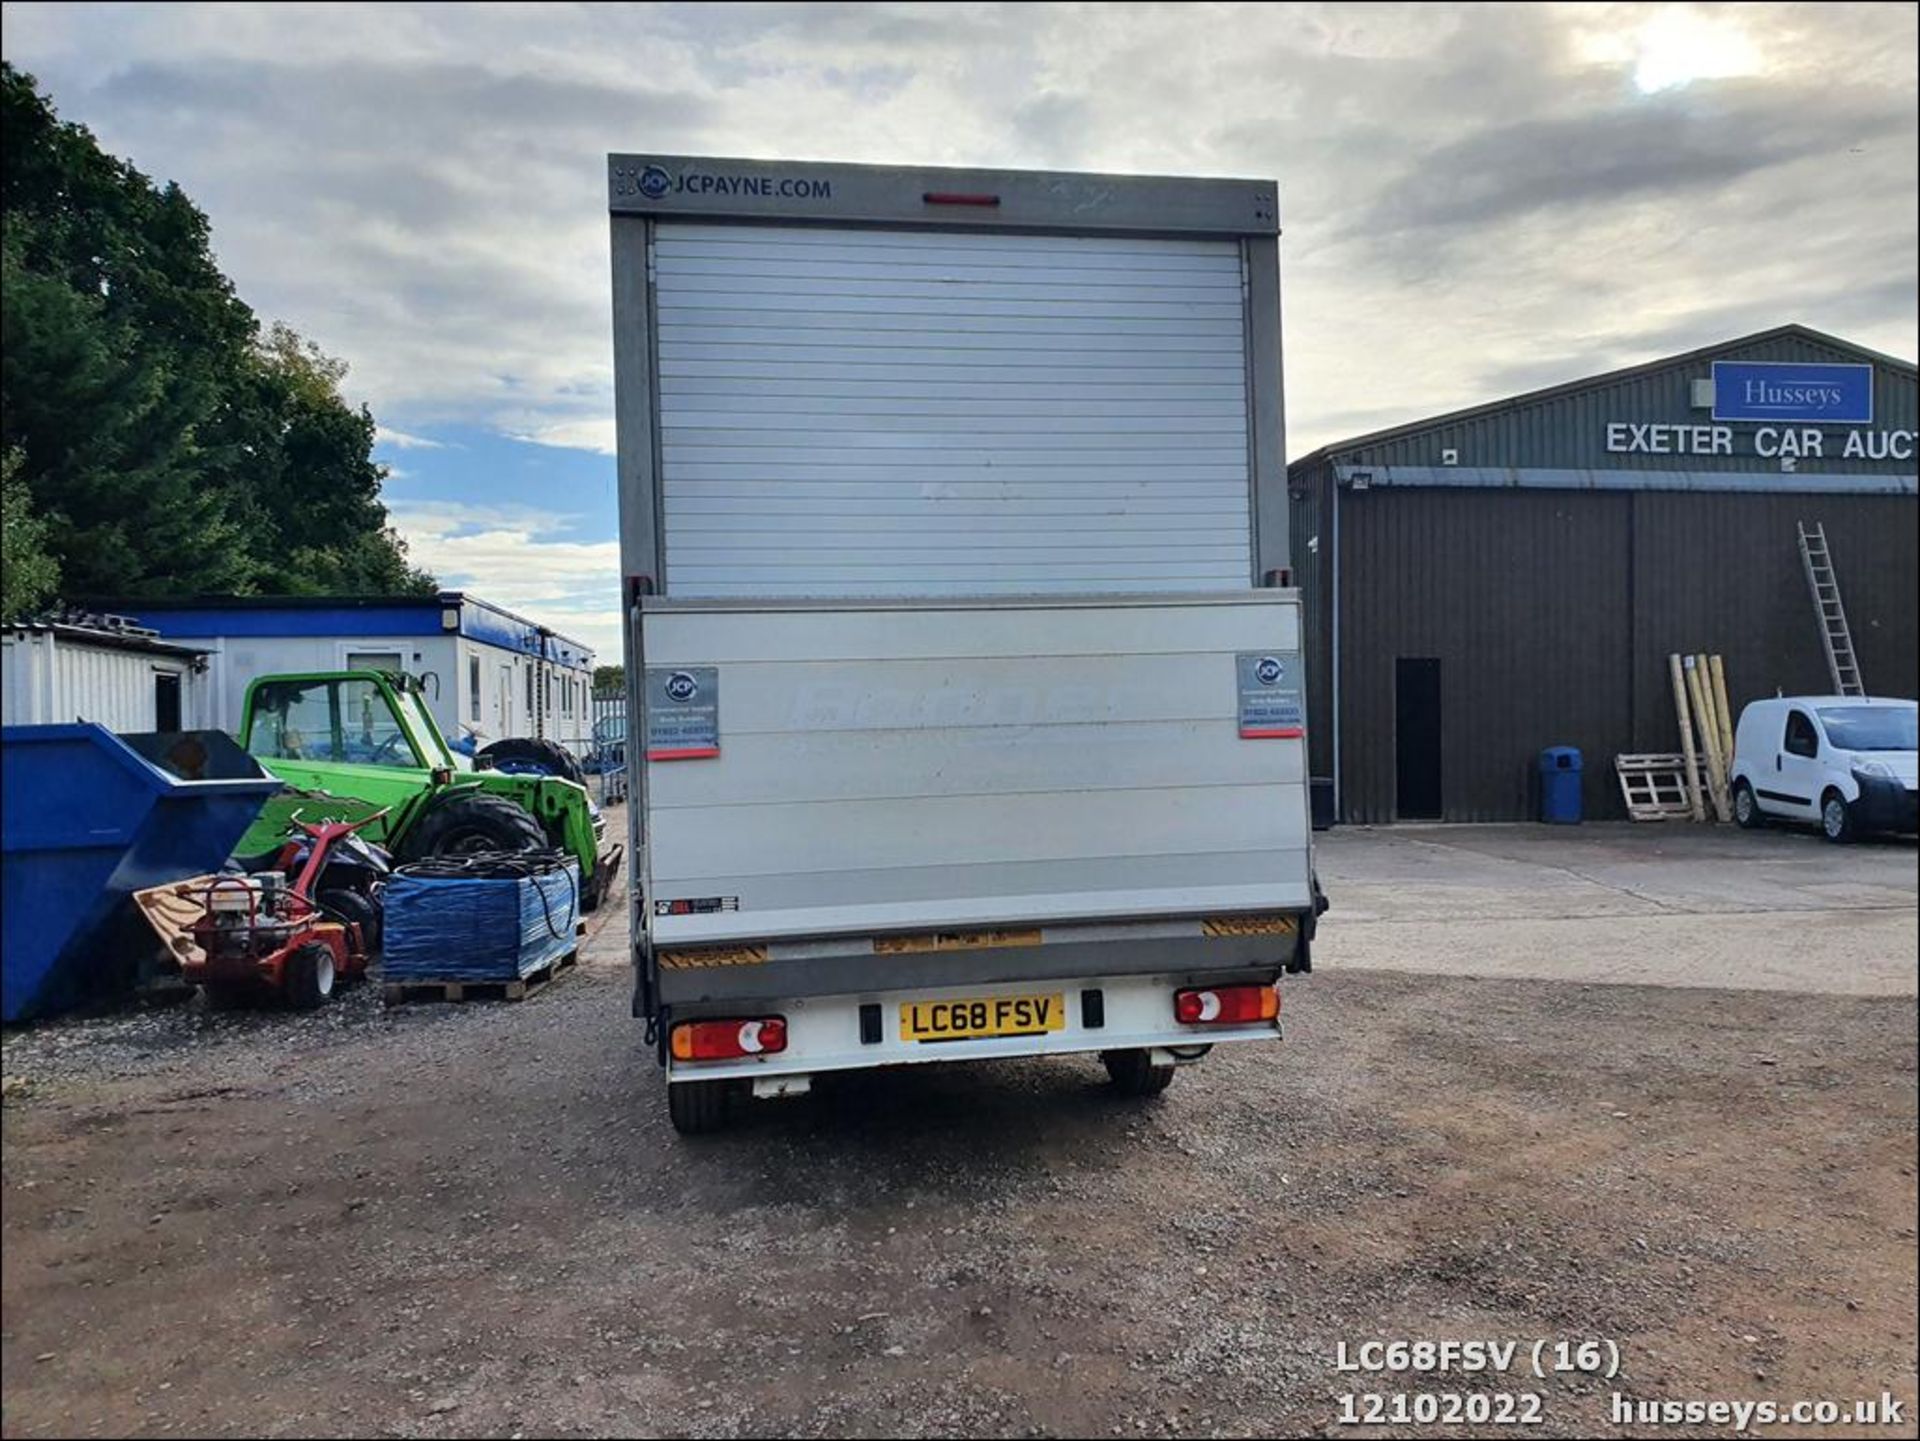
(713, 956)
(1249, 926)
(953, 941)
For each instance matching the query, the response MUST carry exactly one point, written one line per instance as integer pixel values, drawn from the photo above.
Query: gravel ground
(443, 1220)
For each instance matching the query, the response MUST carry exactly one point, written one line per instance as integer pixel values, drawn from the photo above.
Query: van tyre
(1746, 807)
(548, 756)
(1836, 818)
(468, 822)
(698, 1108)
(1134, 1074)
(308, 980)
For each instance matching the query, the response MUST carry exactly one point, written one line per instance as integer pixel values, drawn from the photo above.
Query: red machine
(259, 934)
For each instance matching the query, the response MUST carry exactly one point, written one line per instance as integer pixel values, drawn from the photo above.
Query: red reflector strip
(729, 1040)
(1226, 1005)
(1285, 733)
(691, 754)
(949, 197)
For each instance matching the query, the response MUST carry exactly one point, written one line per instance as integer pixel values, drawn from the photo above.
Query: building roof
(438, 601)
(104, 632)
(1565, 387)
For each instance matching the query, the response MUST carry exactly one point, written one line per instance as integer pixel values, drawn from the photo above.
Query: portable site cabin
(104, 669)
(488, 672)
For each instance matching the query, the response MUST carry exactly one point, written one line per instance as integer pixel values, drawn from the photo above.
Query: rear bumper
(824, 1033)
(839, 967)
(1885, 805)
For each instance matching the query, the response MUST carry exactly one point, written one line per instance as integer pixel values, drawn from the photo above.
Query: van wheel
(1836, 820)
(698, 1108)
(1133, 1074)
(1746, 807)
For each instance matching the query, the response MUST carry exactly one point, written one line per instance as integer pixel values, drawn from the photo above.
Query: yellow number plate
(986, 1016)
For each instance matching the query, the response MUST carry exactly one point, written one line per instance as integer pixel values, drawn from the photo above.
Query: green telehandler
(349, 743)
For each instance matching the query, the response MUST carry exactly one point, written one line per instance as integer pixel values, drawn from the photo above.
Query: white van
(1847, 763)
(965, 671)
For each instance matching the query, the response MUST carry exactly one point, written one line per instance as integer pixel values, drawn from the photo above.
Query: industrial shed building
(1487, 583)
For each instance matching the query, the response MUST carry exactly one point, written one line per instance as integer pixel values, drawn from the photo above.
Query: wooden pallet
(397, 992)
(1655, 787)
(171, 911)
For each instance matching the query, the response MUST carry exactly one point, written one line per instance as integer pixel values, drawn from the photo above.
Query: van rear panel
(899, 789)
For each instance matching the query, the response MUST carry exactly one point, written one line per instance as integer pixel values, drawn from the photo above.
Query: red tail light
(730, 1039)
(1226, 1005)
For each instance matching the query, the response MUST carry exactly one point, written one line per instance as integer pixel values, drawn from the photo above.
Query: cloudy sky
(1475, 200)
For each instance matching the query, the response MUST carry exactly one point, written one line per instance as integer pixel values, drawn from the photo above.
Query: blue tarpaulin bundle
(481, 918)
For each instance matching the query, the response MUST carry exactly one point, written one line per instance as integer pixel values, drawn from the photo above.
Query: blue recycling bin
(1560, 785)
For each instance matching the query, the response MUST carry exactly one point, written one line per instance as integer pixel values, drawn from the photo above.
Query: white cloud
(401, 440)
(515, 556)
(594, 435)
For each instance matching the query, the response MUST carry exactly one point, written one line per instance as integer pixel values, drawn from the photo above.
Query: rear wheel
(467, 822)
(1836, 819)
(308, 979)
(1134, 1074)
(697, 1108)
(1746, 807)
(525, 753)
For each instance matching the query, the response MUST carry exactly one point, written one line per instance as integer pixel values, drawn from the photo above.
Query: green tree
(28, 575)
(316, 489)
(609, 677)
(171, 447)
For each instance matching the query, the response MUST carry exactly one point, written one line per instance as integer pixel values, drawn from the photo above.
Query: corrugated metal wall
(1722, 573)
(1521, 596)
(1553, 613)
(52, 681)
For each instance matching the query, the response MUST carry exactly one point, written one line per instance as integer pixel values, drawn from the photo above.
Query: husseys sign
(1815, 394)
(1795, 401)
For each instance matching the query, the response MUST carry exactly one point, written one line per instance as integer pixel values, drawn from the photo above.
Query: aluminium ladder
(1817, 560)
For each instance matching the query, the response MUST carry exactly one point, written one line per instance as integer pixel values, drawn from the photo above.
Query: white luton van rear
(968, 708)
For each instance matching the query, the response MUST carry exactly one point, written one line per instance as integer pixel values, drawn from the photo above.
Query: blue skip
(90, 818)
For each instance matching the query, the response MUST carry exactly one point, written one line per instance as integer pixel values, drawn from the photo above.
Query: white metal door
(900, 413)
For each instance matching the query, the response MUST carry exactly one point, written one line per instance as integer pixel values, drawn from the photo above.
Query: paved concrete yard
(1679, 905)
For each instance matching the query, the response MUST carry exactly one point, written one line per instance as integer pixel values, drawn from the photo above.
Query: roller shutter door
(899, 413)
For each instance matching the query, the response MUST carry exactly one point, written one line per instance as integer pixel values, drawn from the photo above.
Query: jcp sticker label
(1272, 695)
(683, 712)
